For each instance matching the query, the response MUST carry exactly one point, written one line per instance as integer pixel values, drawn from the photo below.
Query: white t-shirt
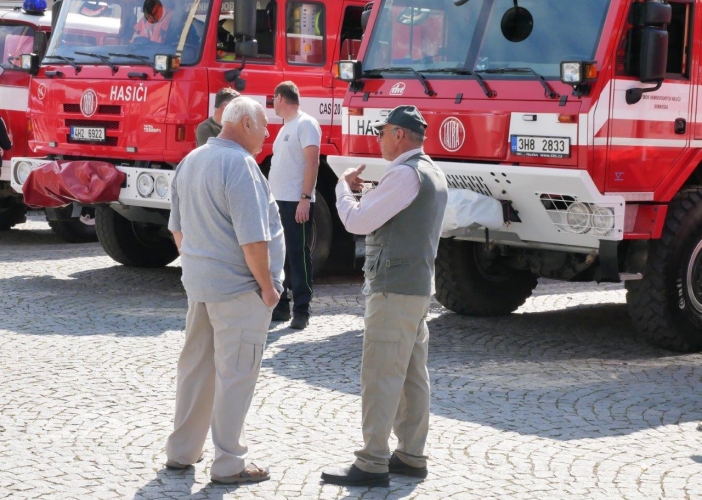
(288, 163)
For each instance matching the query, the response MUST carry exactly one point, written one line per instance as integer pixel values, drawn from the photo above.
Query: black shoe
(353, 476)
(300, 321)
(281, 314)
(397, 466)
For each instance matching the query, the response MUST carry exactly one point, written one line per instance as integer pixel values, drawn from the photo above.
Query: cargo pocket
(370, 266)
(381, 347)
(250, 351)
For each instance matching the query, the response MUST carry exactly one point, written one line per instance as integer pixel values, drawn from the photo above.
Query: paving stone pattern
(559, 400)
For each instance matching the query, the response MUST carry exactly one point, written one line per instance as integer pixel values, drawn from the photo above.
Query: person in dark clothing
(5, 142)
(213, 125)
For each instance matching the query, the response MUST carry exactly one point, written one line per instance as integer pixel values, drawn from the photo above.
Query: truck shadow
(132, 302)
(568, 374)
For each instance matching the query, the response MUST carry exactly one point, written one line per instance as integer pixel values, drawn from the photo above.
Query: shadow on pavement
(179, 484)
(535, 373)
(146, 302)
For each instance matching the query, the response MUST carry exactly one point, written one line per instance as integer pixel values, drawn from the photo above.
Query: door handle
(680, 125)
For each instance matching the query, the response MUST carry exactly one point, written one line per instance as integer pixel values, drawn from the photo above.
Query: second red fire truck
(582, 117)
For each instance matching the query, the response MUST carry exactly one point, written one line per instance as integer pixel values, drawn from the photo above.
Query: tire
(666, 305)
(73, 231)
(470, 283)
(320, 239)
(133, 244)
(11, 215)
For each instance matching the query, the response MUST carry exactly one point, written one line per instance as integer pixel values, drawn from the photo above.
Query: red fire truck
(581, 117)
(106, 93)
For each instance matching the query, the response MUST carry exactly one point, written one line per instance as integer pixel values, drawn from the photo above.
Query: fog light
(26, 61)
(602, 220)
(578, 217)
(161, 186)
(145, 185)
(24, 168)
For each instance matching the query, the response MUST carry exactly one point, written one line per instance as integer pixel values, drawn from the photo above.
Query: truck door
(645, 139)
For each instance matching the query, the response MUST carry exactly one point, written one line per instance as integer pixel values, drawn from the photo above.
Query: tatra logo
(88, 103)
(41, 91)
(452, 134)
(130, 93)
(398, 89)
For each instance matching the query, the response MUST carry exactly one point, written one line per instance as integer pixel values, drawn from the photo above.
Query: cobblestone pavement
(558, 400)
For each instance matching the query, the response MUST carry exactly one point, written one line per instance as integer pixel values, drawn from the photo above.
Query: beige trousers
(217, 373)
(394, 380)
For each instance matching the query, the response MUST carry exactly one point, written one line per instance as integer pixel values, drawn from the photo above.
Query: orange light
(590, 72)
(335, 70)
(180, 133)
(567, 118)
(175, 63)
(356, 111)
(30, 127)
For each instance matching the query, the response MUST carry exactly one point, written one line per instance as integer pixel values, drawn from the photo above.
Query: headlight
(349, 71)
(165, 63)
(145, 185)
(161, 186)
(578, 217)
(602, 220)
(577, 72)
(26, 61)
(23, 170)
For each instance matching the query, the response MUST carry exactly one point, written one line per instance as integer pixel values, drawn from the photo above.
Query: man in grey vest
(401, 219)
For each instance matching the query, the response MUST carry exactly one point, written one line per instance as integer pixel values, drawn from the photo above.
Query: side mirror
(30, 63)
(41, 41)
(365, 15)
(654, 54)
(244, 18)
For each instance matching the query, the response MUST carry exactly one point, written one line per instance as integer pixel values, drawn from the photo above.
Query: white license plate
(88, 133)
(530, 145)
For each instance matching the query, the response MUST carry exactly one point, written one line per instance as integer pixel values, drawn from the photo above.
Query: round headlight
(578, 217)
(24, 168)
(161, 186)
(145, 184)
(602, 219)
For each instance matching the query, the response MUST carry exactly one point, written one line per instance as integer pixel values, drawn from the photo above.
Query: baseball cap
(407, 117)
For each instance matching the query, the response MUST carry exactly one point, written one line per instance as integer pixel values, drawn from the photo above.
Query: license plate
(88, 134)
(550, 147)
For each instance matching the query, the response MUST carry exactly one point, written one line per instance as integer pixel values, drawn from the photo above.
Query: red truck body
(598, 172)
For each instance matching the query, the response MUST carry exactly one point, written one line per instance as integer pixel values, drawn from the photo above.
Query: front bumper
(128, 196)
(541, 196)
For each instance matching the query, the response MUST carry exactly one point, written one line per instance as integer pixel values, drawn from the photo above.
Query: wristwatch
(305, 196)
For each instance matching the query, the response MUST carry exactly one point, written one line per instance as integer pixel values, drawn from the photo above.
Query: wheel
(11, 214)
(472, 282)
(135, 244)
(666, 305)
(73, 231)
(320, 238)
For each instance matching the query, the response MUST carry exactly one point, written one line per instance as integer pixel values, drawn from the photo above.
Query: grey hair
(413, 136)
(240, 107)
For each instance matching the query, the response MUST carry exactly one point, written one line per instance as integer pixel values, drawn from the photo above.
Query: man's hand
(270, 297)
(302, 214)
(351, 176)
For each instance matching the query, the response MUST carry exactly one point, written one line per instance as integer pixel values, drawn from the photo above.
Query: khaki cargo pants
(217, 373)
(395, 389)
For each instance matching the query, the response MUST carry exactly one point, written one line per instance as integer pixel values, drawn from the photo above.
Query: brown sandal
(252, 473)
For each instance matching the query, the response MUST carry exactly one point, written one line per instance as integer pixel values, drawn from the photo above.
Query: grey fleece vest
(400, 254)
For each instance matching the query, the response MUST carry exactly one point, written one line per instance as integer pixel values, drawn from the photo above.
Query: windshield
(485, 35)
(15, 40)
(127, 32)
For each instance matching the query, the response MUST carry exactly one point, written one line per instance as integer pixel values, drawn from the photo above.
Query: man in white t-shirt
(292, 178)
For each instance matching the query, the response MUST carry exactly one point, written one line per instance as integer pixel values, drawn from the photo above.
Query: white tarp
(471, 210)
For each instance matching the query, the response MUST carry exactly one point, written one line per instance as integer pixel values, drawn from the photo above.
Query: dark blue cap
(407, 117)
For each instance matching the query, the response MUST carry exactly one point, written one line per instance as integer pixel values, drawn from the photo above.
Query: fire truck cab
(126, 83)
(581, 117)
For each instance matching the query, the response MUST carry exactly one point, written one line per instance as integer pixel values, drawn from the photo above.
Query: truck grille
(474, 183)
(103, 109)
